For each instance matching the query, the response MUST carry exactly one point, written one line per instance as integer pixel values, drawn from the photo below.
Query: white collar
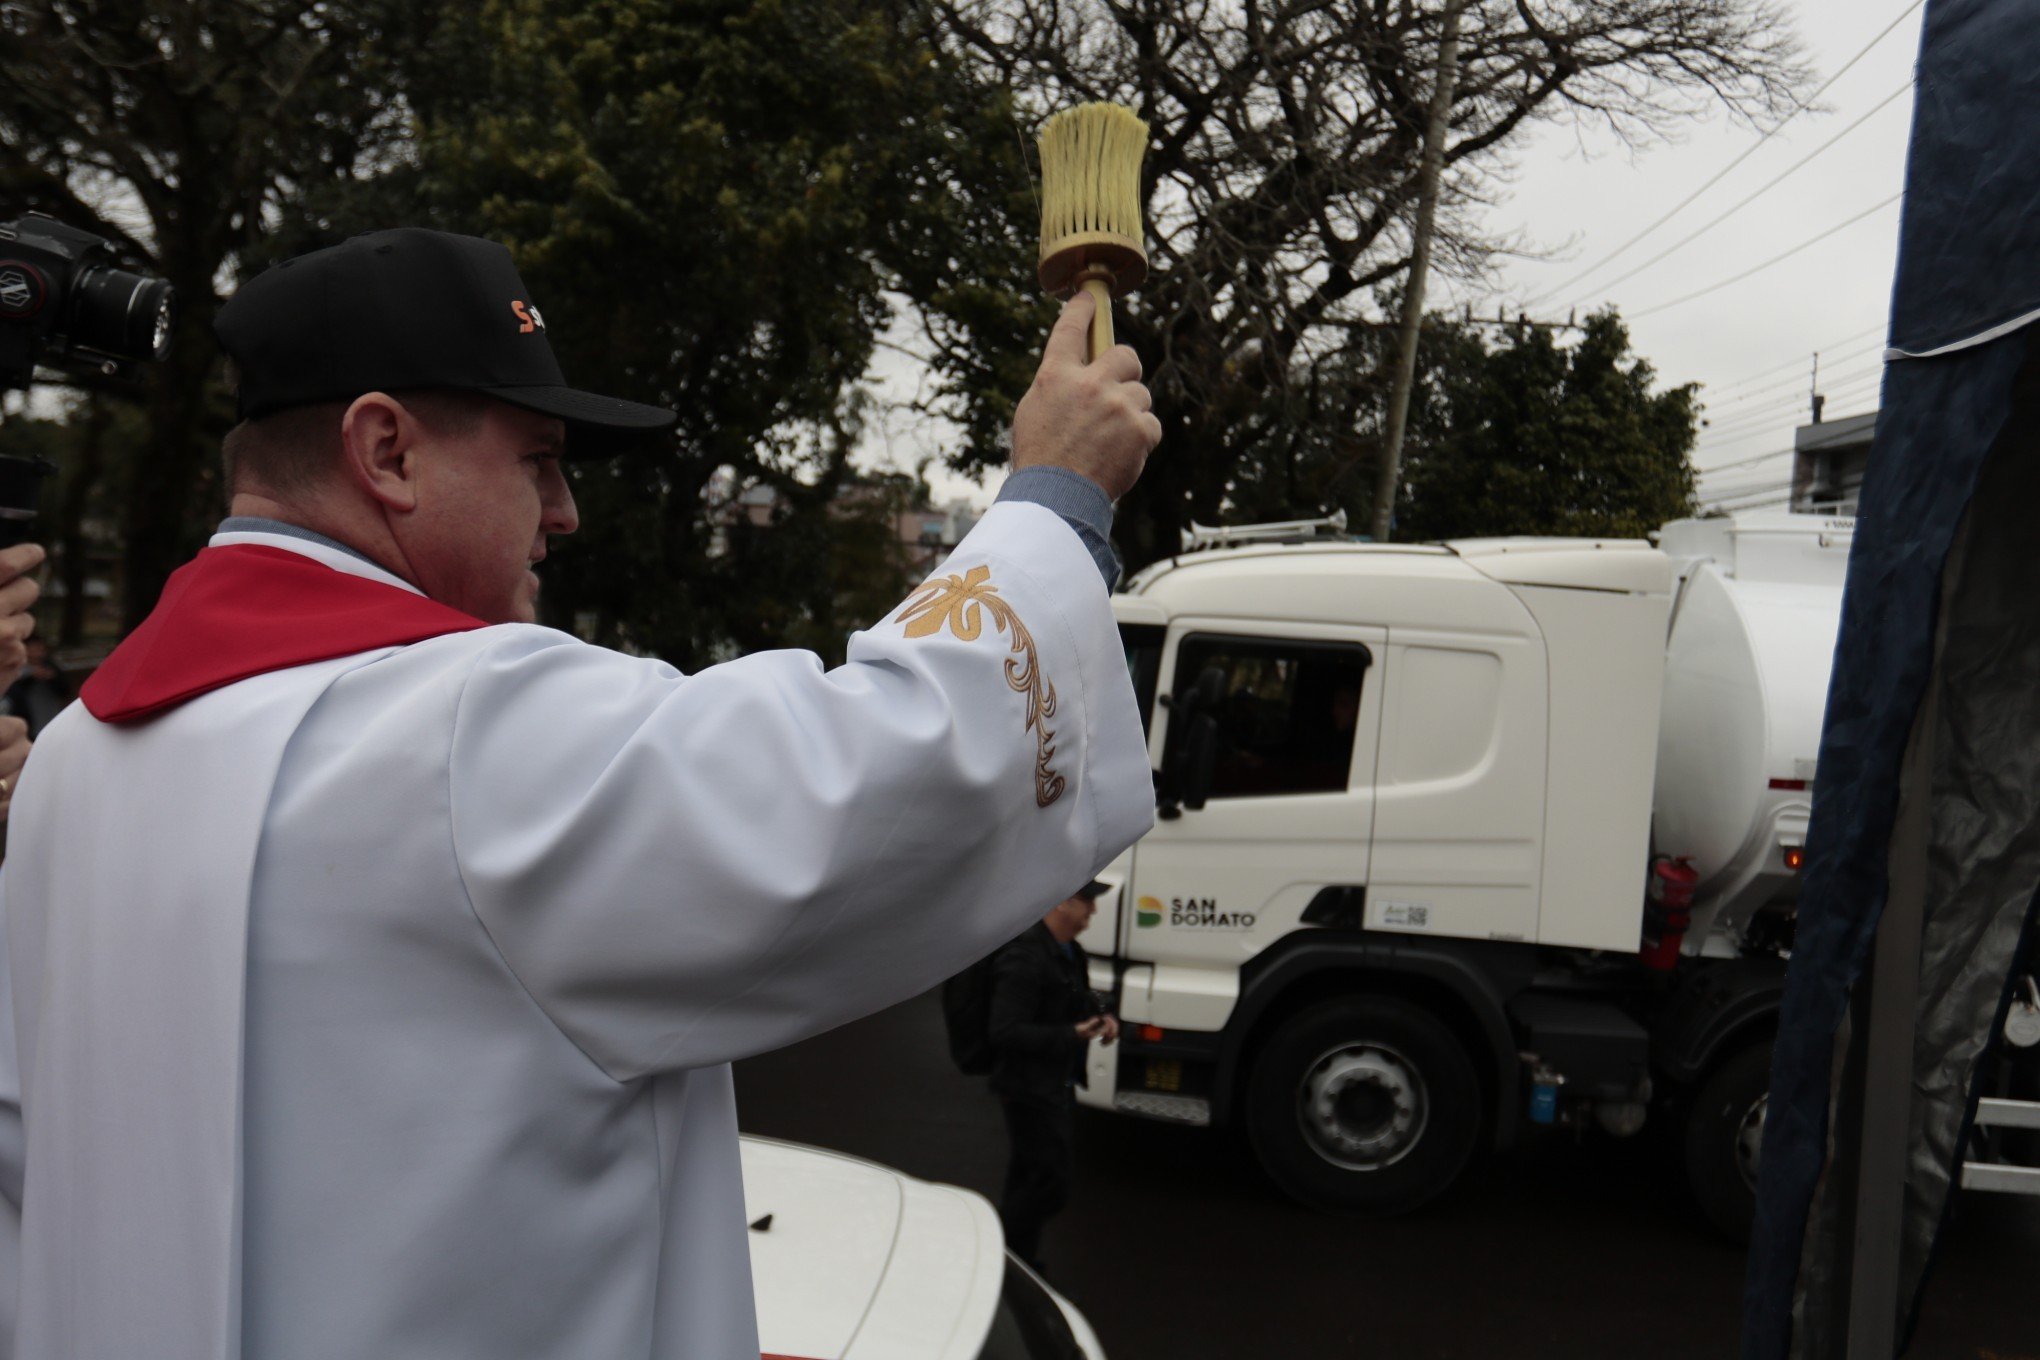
(318, 552)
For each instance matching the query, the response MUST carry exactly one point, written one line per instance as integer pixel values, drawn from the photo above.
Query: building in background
(926, 530)
(929, 532)
(1827, 463)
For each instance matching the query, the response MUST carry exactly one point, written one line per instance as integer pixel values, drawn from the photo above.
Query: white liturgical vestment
(381, 1006)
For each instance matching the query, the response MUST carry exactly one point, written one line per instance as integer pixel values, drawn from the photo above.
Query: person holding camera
(1043, 1018)
(378, 956)
(18, 594)
(41, 692)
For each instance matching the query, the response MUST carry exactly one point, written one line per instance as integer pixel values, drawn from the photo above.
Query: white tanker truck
(1458, 839)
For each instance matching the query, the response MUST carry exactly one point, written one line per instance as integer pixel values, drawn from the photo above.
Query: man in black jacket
(1043, 1018)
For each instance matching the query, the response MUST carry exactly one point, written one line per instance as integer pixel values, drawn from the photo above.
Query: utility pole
(1442, 87)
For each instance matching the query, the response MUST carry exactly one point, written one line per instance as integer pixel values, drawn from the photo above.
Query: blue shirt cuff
(1081, 502)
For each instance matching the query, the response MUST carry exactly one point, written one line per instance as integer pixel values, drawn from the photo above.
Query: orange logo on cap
(529, 316)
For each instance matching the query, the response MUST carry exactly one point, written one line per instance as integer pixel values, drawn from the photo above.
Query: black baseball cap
(389, 311)
(1093, 890)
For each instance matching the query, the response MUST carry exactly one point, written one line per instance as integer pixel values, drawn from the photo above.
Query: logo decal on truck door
(1190, 913)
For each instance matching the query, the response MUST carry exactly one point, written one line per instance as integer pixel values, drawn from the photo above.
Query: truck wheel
(1367, 1104)
(1724, 1130)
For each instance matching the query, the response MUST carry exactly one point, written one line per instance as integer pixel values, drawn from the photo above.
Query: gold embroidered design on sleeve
(961, 602)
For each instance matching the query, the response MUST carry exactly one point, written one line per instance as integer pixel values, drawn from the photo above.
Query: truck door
(1290, 811)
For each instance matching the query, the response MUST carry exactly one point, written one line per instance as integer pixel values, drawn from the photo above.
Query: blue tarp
(1969, 264)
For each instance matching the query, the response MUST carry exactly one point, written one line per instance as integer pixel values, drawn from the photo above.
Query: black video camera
(63, 303)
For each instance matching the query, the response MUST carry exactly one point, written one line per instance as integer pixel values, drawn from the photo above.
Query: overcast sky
(1580, 194)
(1749, 343)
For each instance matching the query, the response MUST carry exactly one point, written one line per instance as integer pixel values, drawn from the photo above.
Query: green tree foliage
(1278, 187)
(705, 200)
(723, 204)
(80, 507)
(1538, 437)
(172, 130)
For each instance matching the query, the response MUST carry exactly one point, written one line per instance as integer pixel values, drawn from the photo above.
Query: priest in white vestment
(375, 958)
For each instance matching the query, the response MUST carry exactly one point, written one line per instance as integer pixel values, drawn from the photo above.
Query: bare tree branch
(1282, 172)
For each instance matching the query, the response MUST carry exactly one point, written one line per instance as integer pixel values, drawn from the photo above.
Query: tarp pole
(1893, 981)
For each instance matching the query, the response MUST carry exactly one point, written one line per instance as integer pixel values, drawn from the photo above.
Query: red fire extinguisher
(1669, 912)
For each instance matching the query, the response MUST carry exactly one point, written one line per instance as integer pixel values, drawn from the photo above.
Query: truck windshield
(1144, 663)
(1029, 1325)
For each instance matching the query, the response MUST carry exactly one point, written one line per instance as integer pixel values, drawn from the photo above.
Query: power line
(1771, 489)
(1736, 408)
(1864, 381)
(1743, 475)
(1775, 259)
(1798, 107)
(1750, 500)
(1773, 423)
(1796, 381)
(1719, 437)
(1749, 488)
(1877, 330)
(1761, 465)
(1751, 480)
(1773, 426)
(1746, 477)
(1725, 494)
(1767, 187)
(1747, 424)
(1726, 475)
(1770, 409)
(1875, 347)
(1745, 462)
(1716, 414)
(1761, 495)
(1754, 505)
(1829, 387)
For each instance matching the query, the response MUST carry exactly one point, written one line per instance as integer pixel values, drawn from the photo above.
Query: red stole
(242, 610)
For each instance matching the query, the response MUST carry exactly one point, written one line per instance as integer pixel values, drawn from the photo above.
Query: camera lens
(127, 316)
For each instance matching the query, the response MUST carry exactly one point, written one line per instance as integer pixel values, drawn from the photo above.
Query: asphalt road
(1177, 1250)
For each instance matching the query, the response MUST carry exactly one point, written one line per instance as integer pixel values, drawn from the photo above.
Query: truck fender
(1477, 975)
(1718, 1006)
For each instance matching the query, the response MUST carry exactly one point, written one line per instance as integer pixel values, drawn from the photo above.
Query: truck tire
(1367, 1104)
(1724, 1127)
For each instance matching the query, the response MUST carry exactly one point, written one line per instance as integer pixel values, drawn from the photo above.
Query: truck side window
(1144, 664)
(1286, 715)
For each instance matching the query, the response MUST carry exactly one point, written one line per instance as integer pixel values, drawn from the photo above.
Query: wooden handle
(1101, 320)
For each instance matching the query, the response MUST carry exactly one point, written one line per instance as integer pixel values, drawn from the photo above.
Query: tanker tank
(1751, 644)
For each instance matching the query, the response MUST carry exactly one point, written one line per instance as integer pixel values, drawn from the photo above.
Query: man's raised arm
(683, 870)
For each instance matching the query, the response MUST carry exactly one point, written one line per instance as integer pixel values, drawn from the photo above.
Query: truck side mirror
(1193, 745)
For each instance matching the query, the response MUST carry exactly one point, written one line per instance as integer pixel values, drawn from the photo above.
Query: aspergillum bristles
(1090, 173)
